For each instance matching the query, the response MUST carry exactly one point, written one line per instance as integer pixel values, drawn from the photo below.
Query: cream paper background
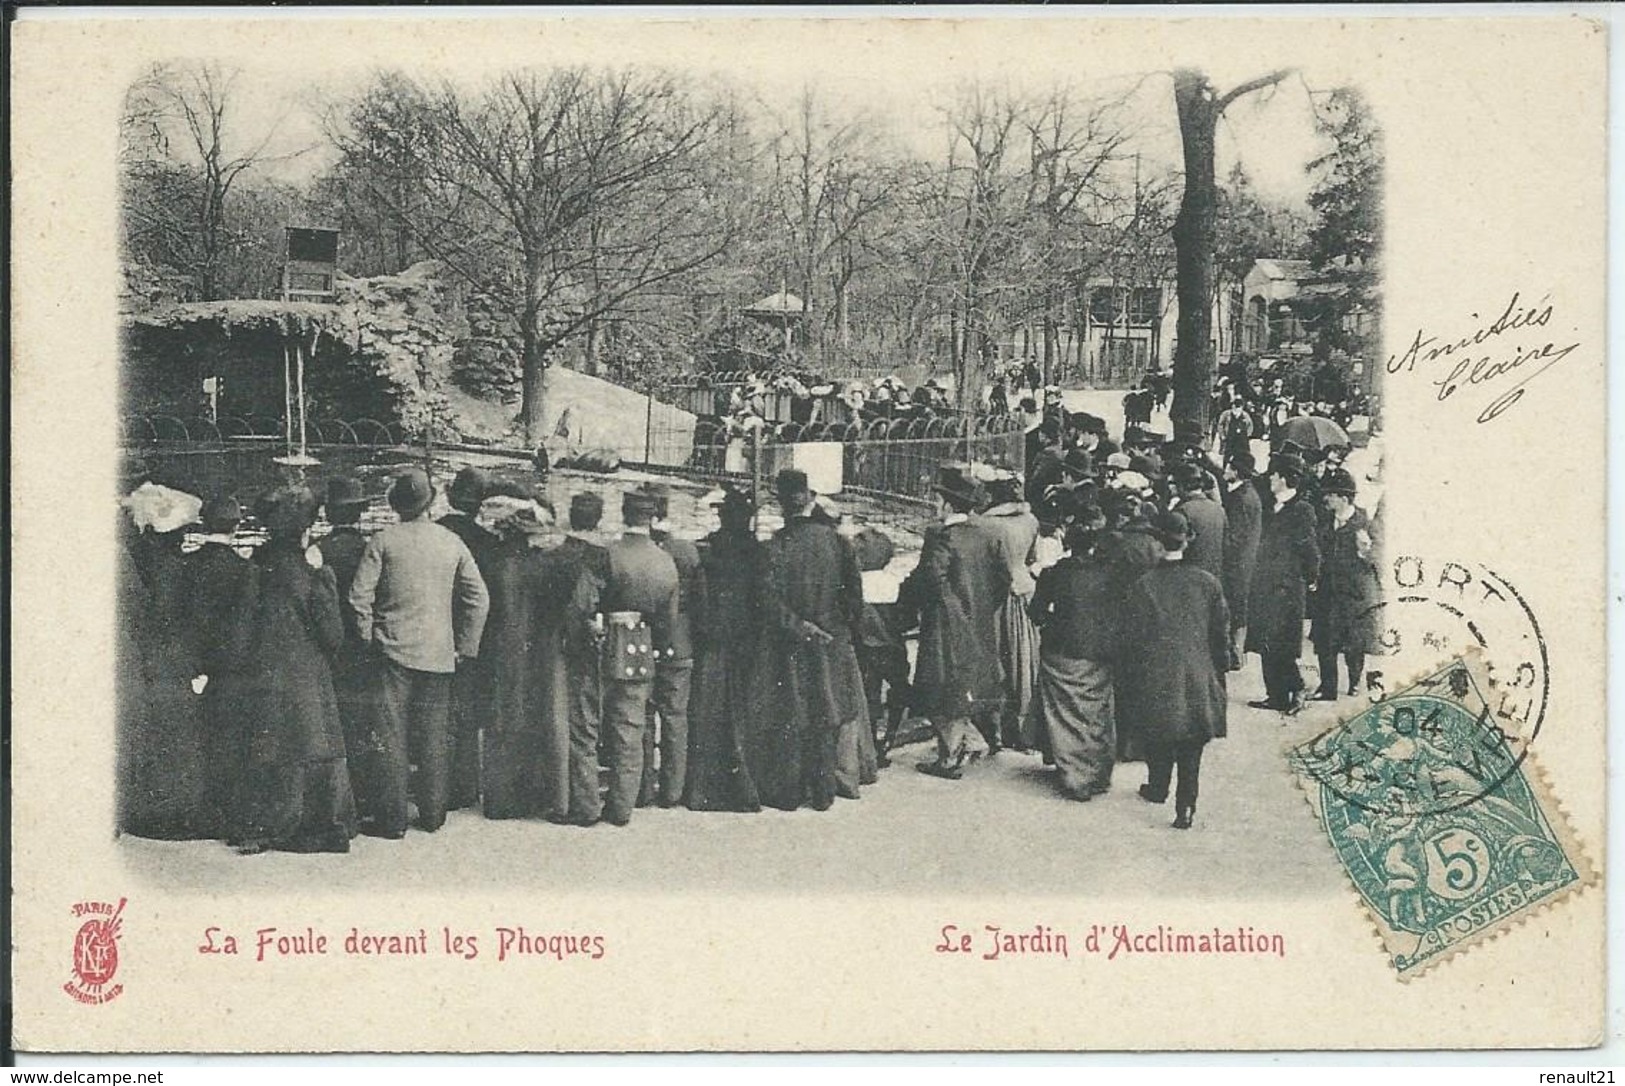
(1496, 182)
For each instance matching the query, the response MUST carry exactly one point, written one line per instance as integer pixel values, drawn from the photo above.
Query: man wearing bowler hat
(420, 601)
(640, 606)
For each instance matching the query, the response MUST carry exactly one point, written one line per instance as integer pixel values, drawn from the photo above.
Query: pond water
(251, 472)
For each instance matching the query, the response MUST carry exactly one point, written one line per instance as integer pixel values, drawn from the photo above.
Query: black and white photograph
(1026, 502)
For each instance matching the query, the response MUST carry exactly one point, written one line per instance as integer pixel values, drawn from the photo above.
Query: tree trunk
(532, 397)
(1193, 246)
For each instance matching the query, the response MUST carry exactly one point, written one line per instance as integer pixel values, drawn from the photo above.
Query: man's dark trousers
(414, 725)
(669, 702)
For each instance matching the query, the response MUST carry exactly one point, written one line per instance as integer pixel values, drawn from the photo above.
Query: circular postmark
(1461, 732)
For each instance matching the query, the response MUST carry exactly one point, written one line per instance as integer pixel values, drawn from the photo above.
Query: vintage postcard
(608, 532)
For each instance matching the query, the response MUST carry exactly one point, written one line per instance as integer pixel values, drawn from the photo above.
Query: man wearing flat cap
(420, 601)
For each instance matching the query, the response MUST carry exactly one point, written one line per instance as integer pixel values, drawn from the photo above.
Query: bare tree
(563, 193)
(1199, 107)
(183, 156)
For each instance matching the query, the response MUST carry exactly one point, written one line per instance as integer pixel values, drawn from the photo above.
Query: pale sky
(1271, 132)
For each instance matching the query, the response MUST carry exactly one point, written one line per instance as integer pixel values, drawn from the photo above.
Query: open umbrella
(1314, 433)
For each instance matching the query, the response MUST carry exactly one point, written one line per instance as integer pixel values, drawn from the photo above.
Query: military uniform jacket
(643, 578)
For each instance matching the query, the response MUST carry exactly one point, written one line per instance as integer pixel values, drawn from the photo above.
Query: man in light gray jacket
(420, 603)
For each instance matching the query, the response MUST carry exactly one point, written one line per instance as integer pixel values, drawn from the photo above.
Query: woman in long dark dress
(727, 634)
(295, 794)
(164, 788)
(537, 594)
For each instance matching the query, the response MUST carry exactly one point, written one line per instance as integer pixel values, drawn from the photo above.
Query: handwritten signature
(1502, 357)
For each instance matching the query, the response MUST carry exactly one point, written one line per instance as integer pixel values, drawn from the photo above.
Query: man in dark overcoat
(471, 687)
(808, 679)
(958, 588)
(1243, 522)
(341, 552)
(1176, 650)
(583, 652)
(1204, 516)
(1288, 564)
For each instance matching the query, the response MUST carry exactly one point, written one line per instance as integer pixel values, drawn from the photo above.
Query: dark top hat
(1171, 530)
(1288, 460)
(287, 510)
(1188, 476)
(586, 510)
(344, 491)
(1338, 481)
(220, 514)
(791, 483)
(411, 493)
(470, 487)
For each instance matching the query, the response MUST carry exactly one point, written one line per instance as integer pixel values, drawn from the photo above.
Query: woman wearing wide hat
(295, 792)
(164, 786)
(1176, 649)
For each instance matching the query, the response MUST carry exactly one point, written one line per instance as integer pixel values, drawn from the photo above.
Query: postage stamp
(1439, 816)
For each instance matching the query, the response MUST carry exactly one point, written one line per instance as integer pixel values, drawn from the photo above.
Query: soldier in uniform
(640, 603)
(674, 669)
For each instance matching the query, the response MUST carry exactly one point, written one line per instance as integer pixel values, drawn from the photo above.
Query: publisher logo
(95, 952)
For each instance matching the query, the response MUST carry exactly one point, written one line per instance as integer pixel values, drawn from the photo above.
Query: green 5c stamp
(1438, 817)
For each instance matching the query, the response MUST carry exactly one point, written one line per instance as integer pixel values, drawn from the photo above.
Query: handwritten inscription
(1503, 355)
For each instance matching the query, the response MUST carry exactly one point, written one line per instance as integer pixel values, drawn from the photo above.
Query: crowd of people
(1087, 612)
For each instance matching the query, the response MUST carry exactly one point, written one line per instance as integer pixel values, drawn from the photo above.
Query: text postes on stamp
(1439, 817)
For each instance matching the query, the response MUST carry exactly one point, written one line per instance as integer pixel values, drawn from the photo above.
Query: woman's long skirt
(1074, 707)
(1018, 657)
(302, 807)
